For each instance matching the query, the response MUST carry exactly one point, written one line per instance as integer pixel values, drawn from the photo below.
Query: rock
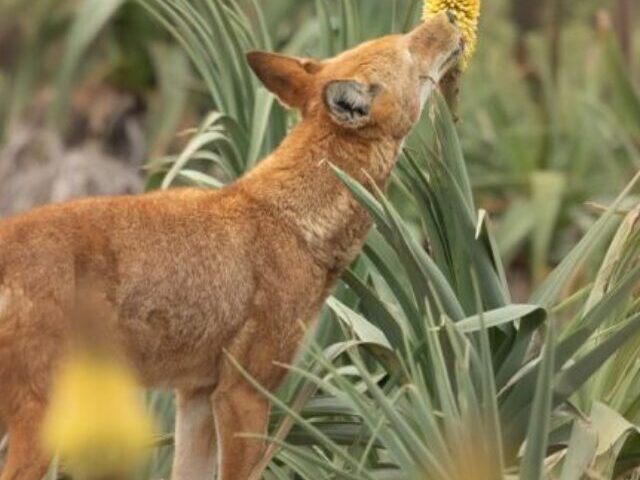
(36, 168)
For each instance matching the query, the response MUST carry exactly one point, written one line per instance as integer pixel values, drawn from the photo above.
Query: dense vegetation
(491, 327)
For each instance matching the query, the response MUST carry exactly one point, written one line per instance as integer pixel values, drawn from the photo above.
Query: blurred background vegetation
(118, 96)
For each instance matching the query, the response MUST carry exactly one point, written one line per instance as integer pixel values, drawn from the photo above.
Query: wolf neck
(298, 184)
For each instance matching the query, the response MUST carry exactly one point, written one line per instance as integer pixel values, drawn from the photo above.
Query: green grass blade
(581, 451)
(532, 466)
(500, 316)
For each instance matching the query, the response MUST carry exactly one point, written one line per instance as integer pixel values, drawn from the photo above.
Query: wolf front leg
(239, 409)
(194, 457)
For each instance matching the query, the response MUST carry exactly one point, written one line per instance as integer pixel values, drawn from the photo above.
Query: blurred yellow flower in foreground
(95, 422)
(467, 13)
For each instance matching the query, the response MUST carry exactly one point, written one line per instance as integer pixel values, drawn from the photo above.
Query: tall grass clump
(440, 375)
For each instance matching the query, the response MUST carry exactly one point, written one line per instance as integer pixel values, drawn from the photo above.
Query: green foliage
(88, 22)
(216, 37)
(419, 382)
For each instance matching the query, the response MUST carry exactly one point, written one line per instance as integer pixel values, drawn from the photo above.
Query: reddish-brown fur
(193, 273)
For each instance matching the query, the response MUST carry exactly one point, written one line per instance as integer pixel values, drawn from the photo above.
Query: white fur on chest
(327, 220)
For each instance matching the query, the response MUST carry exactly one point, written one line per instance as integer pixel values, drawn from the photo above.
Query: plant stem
(450, 86)
(624, 28)
(555, 11)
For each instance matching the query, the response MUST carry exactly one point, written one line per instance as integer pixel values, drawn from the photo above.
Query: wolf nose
(451, 16)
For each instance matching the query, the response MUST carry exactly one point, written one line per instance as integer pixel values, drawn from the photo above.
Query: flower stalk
(467, 13)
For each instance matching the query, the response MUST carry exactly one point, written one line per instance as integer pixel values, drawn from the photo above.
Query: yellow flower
(95, 421)
(467, 13)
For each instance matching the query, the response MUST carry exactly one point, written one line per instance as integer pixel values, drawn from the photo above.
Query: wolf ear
(286, 77)
(349, 102)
